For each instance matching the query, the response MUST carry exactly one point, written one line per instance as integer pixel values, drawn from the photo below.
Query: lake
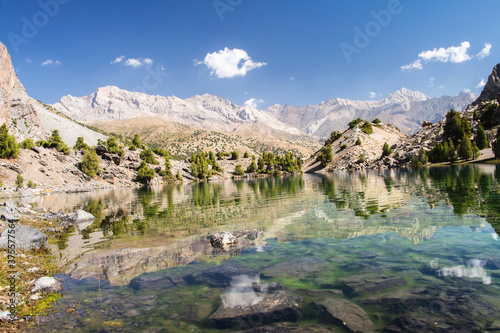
(401, 251)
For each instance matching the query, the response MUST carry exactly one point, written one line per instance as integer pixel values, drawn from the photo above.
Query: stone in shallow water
(370, 283)
(223, 240)
(345, 314)
(219, 276)
(148, 282)
(276, 307)
(407, 324)
(296, 267)
(131, 313)
(289, 328)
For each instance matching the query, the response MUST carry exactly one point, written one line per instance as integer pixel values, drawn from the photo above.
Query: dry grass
(29, 266)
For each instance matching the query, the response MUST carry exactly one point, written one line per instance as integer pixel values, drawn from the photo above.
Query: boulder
(271, 308)
(101, 149)
(81, 219)
(24, 238)
(116, 159)
(223, 240)
(6, 215)
(38, 149)
(345, 314)
(219, 276)
(47, 284)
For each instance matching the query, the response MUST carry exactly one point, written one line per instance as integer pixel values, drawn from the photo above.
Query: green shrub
(145, 173)
(354, 122)
(344, 146)
(178, 176)
(90, 163)
(80, 144)
(234, 155)
(31, 184)
(325, 155)
(361, 158)
(8, 145)
(148, 156)
(386, 150)
(367, 128)
(252, 167)
(132, 148)
(420, 160)
(376, 121)
(246, 155)
(334, 136)
(136, 141)
(27, 144)
(19, 180)
(238, 170)
(161, 152)
(358, 142)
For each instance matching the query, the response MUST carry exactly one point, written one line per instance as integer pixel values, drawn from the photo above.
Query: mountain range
(405, 109)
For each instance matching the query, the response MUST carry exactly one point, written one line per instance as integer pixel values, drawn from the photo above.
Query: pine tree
(496, 145)
(19, 180)
(386, 150)
(464, 149)
(238, 170)
(137, 141)
(90, 163)
(8, 145)
(178, 176)
(481, 139)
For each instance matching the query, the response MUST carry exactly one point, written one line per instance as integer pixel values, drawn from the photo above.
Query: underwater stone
(345, 314)
(219, 276)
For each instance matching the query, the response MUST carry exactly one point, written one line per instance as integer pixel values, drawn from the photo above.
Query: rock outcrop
(491, 90)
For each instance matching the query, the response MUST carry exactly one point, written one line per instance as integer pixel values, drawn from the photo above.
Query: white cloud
(372, 94)
(28, 61)
(292, 78)
(454, 54)
(51, 62)
(414, 65)
(118, 59)
(253, 102)
(229, 63)
(481, 84)
(135, 63)
(485, 51)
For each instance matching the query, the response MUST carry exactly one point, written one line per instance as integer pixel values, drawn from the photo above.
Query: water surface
(409, 251)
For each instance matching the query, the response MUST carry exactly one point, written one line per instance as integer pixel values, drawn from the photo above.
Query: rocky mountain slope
(404, 109)
(28, 118)
(491, 90)
(206, 111)
(347, 155)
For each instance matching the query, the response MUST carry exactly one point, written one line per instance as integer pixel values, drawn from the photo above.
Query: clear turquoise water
(431, 230)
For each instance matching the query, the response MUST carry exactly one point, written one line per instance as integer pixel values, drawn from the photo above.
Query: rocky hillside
(182, 140)
(351, 154)
(404, 109)
(491, 90)
(206, 111)
(28, 118)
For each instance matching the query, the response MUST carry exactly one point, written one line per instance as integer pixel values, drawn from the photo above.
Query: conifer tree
(481, 139)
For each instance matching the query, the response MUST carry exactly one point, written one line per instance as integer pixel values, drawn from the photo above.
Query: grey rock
(223, 239)
(25, 238)
(345, 314)
(276, 307)
(370, 283)
(297, 267)
(148, 282)
(219, 276)
(81, 218)
(131, 313)
(101, 149)
(38, 149)
(47, 284)
(491, 90)
(6, 215)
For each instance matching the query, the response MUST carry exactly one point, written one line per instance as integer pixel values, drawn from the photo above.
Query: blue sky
(260, 51)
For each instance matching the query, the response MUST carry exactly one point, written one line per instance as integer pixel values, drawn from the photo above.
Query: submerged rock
(219, 276)
(296, 267)
(24, 238)
(345, 314)
(223, 240)
(276, 307)
(47, 284)
(289, 328)
(147, 282)
(370, 283)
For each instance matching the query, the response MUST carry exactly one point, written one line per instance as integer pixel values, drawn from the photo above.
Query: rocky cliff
(17, 109)
(28, 118)
(491, 90)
